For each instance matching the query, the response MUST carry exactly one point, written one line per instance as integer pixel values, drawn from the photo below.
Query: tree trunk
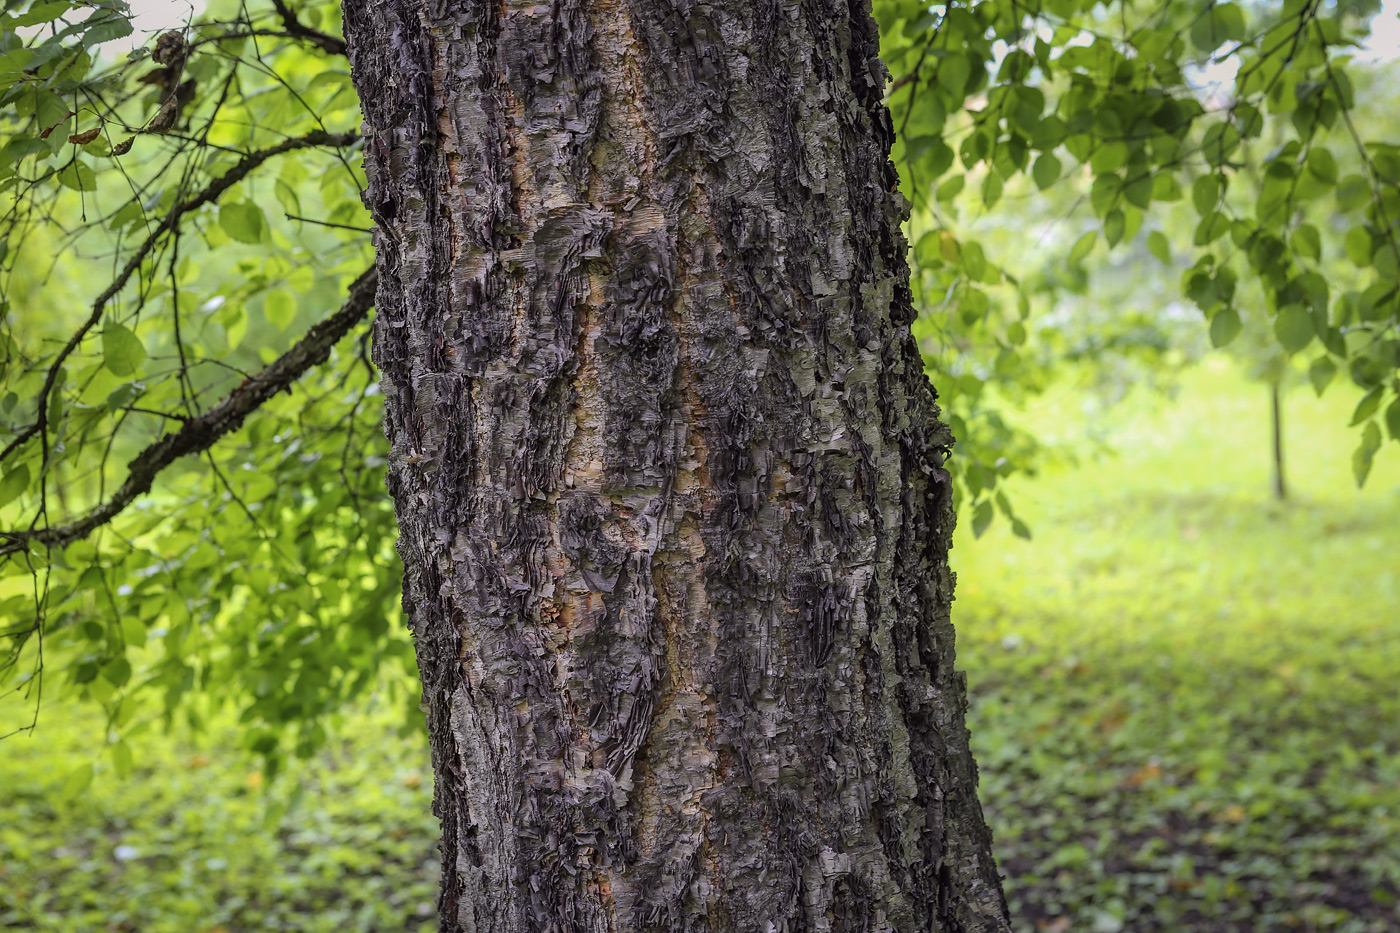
(667, 469)
(1276, 421)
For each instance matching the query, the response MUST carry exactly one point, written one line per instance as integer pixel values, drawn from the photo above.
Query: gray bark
(668, 470)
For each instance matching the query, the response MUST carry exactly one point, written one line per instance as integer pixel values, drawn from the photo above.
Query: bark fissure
(667, 469)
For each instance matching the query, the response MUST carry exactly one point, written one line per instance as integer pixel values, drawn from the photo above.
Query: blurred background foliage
(1132, 225)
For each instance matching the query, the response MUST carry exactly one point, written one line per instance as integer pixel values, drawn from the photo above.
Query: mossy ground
(1185, 707)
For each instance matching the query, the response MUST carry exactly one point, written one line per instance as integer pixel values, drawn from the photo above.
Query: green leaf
(41, 13)
(1212, 227)
(1386, 161)
(243, 221)
(123, 395)
(1166, 188)
(1352, 192)
(926, 250)
(974, 260)
(1158, 245)
(1205, 193)
(122, 351)
(1307, 241)
(1224, 326)
(1219, 142)
(1365, 453)
(1083, 247)
(117, 671)
(991, 189)
(1109, 158)
(234, 320)
(1376, 302)
(280, 308)
(1220, 23)
(1360, 247)
(1392, 419)
(1385, 258)
(77, 176)
(128, 213)
(1138, 190)
(948, 246)
(952, 75)
(974, 148)
(1367, 406)
(22, 147)
(915, 146)
(1104, 193)
(1321, 373)
(331, 77)
(982, 517)
(97, 29)
(936, 161)
(15, 482)
(133, 631)
(972, 306)
(76, 782)
(1046, 171)
(12, 65)
(1293, 328)
(1323, 165)
(1113, 227)
(121, 758)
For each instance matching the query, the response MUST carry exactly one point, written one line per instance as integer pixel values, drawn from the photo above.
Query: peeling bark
(667, 469)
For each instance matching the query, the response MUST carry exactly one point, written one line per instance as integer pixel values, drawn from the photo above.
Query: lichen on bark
(667, 469)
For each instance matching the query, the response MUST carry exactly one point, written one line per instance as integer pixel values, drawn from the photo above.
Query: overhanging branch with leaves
(200, 433)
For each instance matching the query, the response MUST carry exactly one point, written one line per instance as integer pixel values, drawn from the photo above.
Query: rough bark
(667, 469)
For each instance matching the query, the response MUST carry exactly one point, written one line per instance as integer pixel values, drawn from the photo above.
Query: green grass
(191, 842)
(1185, 708)
(1184, 694)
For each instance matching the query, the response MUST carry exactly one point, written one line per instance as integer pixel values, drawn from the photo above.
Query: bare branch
(199, 433)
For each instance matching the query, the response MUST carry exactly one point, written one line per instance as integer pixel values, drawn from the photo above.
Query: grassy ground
(1184, 694)
(192, 843)
(1184, 706)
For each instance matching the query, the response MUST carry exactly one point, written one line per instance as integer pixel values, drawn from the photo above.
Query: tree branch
(211, 193)
(295, 27)
(199, 433)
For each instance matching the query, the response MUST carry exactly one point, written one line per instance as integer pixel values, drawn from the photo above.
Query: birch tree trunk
(667, 469)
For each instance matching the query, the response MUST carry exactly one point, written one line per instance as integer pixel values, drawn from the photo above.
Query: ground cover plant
(1183, 709)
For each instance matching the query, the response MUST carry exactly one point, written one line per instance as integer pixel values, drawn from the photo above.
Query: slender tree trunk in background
(667, 469)
(1276, 407)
